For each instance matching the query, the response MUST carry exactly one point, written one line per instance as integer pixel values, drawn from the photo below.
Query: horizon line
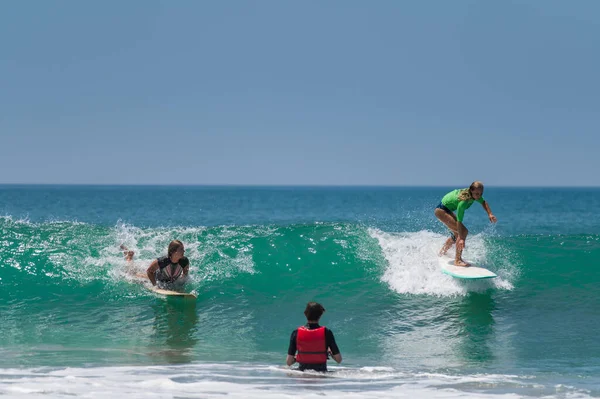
(224, 185)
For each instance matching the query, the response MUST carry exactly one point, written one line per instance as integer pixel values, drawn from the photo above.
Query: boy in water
(312, 342)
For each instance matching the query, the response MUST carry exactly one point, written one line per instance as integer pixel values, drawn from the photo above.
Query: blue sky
(311, 92)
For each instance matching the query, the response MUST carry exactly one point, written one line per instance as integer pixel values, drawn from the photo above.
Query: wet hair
(174, 246)
(313, 311)
(466, 195)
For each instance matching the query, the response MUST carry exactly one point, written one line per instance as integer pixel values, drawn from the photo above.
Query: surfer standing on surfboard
(171, 268)
(458, 201)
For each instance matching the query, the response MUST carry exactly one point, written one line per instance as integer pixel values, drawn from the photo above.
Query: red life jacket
(311, 345)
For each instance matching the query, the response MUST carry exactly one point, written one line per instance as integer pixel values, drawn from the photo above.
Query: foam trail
(413, 264)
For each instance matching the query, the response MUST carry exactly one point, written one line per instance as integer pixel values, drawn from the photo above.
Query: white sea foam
(237, 380)
(148, 244)
(413, 266)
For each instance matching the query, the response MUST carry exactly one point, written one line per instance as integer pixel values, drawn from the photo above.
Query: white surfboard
(171, 293)
(471, 272)
(160, 291)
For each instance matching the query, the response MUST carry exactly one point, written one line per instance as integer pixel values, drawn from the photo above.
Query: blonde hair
(465, 194)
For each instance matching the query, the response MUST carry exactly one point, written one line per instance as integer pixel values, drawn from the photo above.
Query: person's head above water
(313, 311)
(175, 251)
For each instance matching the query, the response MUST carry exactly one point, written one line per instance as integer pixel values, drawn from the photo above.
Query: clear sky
(300, 92)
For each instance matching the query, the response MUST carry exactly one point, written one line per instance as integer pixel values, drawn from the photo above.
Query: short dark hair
(313, 311)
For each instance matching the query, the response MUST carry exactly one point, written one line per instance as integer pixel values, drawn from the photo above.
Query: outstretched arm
(487, 208)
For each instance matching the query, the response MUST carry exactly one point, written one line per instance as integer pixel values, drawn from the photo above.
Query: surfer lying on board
(313, 342)
(458, 201)
(171, 268)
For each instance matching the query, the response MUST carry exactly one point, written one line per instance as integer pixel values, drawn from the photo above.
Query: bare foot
(129, 255)
(461, 263)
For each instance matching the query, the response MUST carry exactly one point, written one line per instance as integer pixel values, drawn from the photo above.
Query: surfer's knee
(466, 231)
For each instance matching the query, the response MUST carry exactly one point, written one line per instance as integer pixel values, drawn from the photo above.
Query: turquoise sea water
(69, 312)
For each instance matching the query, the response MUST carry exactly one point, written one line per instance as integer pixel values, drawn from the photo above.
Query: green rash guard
(452, 202)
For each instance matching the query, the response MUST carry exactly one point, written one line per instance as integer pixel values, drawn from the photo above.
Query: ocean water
(73, 323)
